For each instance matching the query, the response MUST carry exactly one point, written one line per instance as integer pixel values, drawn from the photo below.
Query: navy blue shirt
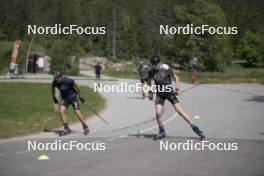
(66, 87)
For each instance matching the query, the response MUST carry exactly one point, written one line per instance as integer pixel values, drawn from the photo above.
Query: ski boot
(86, 131)
(161, 135)
(198, 131)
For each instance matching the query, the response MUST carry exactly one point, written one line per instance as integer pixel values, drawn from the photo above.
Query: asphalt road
(228, 114)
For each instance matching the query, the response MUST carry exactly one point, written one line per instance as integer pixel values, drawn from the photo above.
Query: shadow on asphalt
(256, 99)
(151, 136)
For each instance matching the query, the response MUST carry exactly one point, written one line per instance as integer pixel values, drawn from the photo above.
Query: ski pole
(187, 89)
(91, 109)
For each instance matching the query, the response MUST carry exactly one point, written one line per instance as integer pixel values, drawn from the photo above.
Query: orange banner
(15, 51)
(13, 64)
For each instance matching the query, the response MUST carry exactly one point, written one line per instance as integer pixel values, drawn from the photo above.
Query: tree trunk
(114, 34)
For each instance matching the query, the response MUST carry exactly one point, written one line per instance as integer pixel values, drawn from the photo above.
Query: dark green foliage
(132, 29)
(5, 56)
(65, 56)
(212, 51)
(251, 48)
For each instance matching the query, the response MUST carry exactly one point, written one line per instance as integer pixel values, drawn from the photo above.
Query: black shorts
(71, 101)
(170, 96)
(143, 81)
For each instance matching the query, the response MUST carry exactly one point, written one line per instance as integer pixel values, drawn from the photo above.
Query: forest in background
(133, 30)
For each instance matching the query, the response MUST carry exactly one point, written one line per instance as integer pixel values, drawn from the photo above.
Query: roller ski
(198, 131)
(64, 132)
(160, 135)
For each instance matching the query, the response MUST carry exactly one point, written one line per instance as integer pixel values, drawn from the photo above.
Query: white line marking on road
(165, 122)
(153, 127)
(22, 151)
(123, 136)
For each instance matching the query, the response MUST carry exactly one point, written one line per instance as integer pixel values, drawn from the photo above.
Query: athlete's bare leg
(63, 117)
(80, 116)
(178, 108)
(187, 118)
(162, 133)
(159, 109)
(143, 93)
(82, 120)
(98, 79)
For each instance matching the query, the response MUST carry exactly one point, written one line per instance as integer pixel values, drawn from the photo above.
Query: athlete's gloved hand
(82, 99)
(55, 100)
(177, 91)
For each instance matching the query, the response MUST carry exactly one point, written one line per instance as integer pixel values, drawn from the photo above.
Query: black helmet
(58, 74)
(155, 60)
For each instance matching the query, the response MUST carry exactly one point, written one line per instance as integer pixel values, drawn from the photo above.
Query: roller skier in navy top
(70, 92)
